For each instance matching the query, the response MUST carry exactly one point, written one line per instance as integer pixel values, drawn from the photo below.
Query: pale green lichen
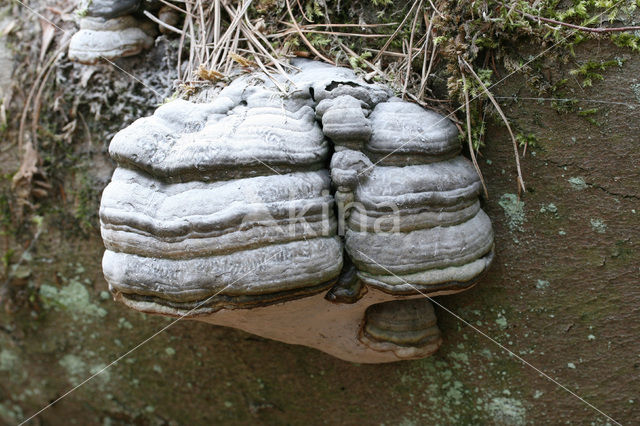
(577, 183)
(542, 284)
(101, 371)
(551, 208)
(73, 298)
(501, 321)
(452, 397)
(11, 363)
(124, 324)
(636, 91)
(75, 367)
(11, 414)
(598, 225)
(506, 411)
(408, 422)
(78, 370)
(513, 210)
(462, 357)
(8, 360)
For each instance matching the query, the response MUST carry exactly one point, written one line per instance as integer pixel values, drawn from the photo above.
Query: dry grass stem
(469, 138)
(304, 38)
(410, 56)
(521, 187)
(395, 33)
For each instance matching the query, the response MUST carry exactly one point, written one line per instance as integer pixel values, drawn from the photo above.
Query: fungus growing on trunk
(224, 211)
(109, 31)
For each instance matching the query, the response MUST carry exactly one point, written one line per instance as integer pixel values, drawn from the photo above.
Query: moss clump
(592, 71)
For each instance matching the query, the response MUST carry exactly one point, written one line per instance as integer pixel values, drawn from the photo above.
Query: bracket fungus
(321, 217)
(108, 30)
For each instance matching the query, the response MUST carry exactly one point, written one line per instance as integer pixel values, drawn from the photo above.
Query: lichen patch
(598, 225)
(513, 210)
(577, 183)
(506, 411)
(73, 298)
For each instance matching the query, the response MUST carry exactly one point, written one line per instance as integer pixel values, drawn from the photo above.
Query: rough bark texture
(563, 293)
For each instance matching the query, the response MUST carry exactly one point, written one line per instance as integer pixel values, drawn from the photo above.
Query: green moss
(358, 62)
(382, 3)
(591, 71)
(564, 104)
(6, 221)
(86, 202)
(628, 40)
(313, 10)
(82, 11)
(530, 140)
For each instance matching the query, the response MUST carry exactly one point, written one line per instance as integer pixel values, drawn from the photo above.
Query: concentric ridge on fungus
(405, 327)
(226, 205)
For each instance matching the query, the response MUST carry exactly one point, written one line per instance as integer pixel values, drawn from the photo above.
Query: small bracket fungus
(168, 16)
(322, 217)
(109, 31)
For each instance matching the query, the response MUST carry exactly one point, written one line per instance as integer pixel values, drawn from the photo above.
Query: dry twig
(395, 33)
